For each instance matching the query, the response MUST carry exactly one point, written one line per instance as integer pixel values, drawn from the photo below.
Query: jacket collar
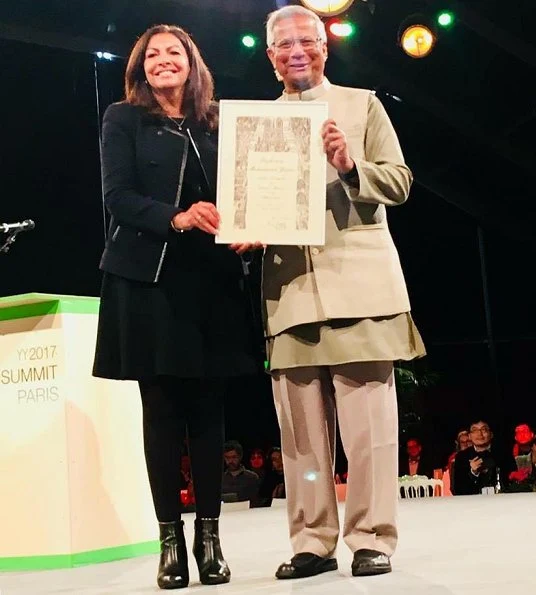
(314, 93)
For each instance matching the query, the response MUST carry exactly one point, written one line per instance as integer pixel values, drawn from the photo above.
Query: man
(480, 466)
(414, 462)
(237, 480)
(336, 318)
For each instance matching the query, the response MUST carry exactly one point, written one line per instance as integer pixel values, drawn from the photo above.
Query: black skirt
(194, 322)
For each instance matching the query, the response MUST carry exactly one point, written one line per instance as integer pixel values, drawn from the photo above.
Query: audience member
(257, 462)
(481, 465)
(463, 442)
(414, 461)
(238, 483)
(273, 485)
(186, 474)
(528, 460)
(523, 437)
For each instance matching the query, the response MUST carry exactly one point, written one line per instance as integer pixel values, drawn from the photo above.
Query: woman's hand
(242, 248)
(202, 215)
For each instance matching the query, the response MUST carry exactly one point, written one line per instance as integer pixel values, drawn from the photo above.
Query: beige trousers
(362, 397)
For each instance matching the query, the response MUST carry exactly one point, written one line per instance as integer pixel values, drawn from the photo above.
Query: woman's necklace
(177, 124)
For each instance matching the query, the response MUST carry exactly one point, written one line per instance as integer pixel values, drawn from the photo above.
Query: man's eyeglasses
(480, 430)
(307, 43)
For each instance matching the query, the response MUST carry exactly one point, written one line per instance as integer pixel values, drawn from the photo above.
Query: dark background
(466, 121)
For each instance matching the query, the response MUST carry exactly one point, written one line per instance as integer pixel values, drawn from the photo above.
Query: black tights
(173, 407)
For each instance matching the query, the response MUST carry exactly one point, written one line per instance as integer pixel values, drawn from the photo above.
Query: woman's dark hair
(198, 101)
(269, 455)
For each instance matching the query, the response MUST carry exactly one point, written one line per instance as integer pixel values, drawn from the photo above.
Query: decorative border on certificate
(271, 172)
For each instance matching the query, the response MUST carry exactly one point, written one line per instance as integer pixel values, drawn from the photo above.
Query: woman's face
(256, 460)
(277, 461)
(166, 63)
(523, 434)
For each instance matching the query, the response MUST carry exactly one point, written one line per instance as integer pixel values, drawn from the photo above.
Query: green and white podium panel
(74, 488)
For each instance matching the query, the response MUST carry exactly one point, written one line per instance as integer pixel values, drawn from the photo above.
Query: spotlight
(342, 29)
(249, 41)
(104, 55)
(445, 18)
(417, 41)
(327, 8)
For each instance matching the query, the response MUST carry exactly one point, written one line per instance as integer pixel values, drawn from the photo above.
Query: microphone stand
(12, 235)
(9, 240)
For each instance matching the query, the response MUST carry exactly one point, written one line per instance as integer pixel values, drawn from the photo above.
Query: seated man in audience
(414, 461)
(238, 483)
(481, 466)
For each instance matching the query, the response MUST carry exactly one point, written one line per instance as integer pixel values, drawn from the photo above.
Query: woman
(273, 483)
(257, 462)
(528, 461)
(172, 308)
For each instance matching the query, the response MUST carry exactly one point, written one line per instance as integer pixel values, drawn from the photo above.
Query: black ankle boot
(213, 569)
(173, 567)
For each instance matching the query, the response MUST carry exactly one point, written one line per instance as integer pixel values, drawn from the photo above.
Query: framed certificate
(272, 172)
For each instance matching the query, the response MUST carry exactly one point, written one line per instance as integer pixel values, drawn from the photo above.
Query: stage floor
(473, 545)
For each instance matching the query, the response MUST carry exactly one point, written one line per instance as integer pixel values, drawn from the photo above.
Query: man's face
(413, 448)
(232, 460)
(297, 54)
(480, 434)
(464, 440)
(523, 434)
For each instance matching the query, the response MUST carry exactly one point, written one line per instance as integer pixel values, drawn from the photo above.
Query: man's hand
(475, 463)
(336, 147)
(202, 215)
(242, 248)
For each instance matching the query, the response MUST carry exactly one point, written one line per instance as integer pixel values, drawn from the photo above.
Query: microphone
(25, 225)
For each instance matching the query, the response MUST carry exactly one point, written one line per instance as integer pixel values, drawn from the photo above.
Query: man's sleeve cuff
(350, 176)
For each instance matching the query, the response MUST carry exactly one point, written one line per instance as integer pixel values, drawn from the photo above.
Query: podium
(74, 484)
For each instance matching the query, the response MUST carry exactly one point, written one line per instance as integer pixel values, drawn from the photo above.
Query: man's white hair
(287, 12)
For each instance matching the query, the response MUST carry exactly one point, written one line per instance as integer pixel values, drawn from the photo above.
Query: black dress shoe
(370, 562)
(305, 564)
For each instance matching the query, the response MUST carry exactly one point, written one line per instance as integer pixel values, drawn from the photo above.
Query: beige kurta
(342, 341)
(346, 301)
